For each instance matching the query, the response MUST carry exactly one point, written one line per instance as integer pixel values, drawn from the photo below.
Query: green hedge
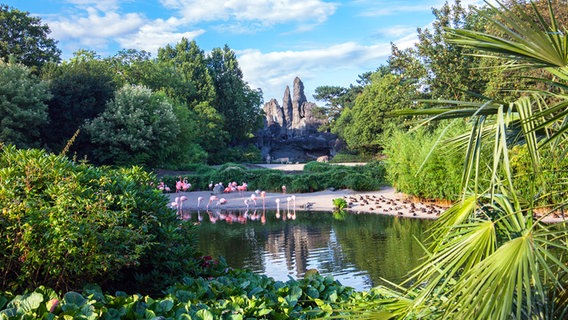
(316, 176)
(64, 224)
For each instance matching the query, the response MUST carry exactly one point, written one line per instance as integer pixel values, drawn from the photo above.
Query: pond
(355, 249)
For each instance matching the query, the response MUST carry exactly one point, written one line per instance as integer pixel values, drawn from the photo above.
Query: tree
(137, 127)
(22, 105)
(235, 100)
(444, 70)
(364, 127)
(25, 39)
(189, 61)
(197, 91)
(336, 100)
(81, 87)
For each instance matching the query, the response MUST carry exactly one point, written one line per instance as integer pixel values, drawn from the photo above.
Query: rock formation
(291, 130)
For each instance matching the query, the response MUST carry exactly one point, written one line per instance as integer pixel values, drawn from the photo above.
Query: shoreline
(385, 202)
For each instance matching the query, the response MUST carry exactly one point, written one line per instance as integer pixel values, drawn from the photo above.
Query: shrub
(437, 178)
(65, 224)
(314, 166)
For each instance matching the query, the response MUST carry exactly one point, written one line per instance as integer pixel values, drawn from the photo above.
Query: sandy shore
(385, 201)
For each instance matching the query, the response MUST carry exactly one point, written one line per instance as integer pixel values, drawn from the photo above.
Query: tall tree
(22, 105)
(81, 87)
(337, 99)
(364, 127)
(189, 63)
(25, 39)
(444, 70)
(235, 100)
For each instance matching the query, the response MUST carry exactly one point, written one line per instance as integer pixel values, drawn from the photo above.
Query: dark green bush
(248, 153)
(317, 177)
(228, 174)
(65, 224)
(314, 166)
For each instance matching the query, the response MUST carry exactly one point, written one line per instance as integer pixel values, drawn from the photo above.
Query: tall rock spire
(287, 108)
(298, 101)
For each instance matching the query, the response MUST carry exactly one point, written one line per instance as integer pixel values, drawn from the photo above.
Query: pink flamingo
(211, 199)
(284, 189)
(199, 200)
(253, 198)
(263, 195)
(247, 203)
(181, 200)
(222, 201)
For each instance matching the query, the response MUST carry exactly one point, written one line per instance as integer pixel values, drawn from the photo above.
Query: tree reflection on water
(358, 250)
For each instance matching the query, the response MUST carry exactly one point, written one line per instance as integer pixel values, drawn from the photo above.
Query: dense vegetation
(499, 72)
(208, 111)
(316, 176)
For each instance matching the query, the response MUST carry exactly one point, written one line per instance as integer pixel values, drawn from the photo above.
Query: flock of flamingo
(250, 201)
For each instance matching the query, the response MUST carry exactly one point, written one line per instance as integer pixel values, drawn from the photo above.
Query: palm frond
(526, 41)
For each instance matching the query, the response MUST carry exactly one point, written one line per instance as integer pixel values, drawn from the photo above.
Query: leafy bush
(248, 153)
(237, 294)
(317, 177)
(314, 166)
(339, 203)
(552, 180)
(350, 157)
(65, 224)
(437, 178)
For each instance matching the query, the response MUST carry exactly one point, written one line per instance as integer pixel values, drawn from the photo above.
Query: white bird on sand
(199, 200)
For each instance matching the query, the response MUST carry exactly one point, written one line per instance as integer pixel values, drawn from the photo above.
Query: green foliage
(80, 91)
(235, 100)
(65, 224)
(551, 182)
(234, 295)
(318, 176)
(314, 166)
(365, 126)
(339, 203)
(348, 156)
(137, 128)
(22, 105)
(414, 168)
(249, 153)
(25, 40)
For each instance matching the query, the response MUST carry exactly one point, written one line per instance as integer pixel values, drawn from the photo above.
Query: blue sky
(324, 42)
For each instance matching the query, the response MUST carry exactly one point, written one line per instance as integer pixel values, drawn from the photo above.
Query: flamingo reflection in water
(277, 208)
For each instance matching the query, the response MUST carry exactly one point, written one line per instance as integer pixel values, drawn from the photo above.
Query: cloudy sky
(324, 42)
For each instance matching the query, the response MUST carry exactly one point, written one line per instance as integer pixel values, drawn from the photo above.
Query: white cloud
(96, 26)
(269, 12)
(155, 34)
(274, 70)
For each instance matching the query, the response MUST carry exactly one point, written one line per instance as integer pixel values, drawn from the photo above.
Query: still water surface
(356, 249)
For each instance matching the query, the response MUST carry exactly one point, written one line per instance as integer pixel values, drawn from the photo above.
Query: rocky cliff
(291, 130)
